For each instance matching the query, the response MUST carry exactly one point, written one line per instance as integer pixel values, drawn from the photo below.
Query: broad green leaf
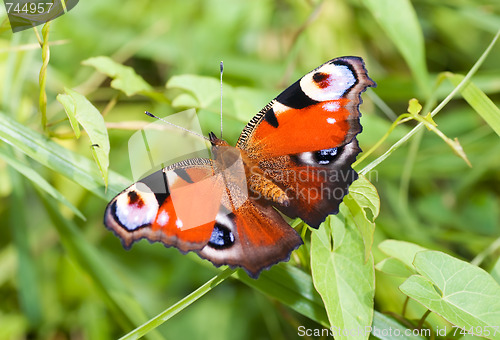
(69, 104)
(185, 100)
(392, 266)
(292, 287)
(401, 250)
(124, 77)
(366, 195)
(39, 181)
(205, 90)
(362, 196)
(495, 272)
(77, 168)
(387, 328)
(399, 21)
(462, 293)
(92, 121)
(480, 102)
(344, 279)
(336, 226)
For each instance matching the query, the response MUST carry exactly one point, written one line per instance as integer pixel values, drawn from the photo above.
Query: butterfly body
(293, 157)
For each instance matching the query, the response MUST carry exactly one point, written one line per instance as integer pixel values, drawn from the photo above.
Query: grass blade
(39, 181)
(78, 168)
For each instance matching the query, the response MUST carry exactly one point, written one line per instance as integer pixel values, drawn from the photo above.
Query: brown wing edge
(254, 258)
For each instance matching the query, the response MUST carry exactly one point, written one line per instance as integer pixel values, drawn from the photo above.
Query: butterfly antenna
(177, 126)
(221, 71)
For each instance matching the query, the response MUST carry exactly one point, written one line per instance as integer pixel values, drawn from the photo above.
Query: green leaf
(69, 106)
(495, 272)
(124, 77)
(401, 250)
(414, 107)
(206, 90)
(365, 193)
(39, 181)
(387, 328)
(362, 196)
(77, 168)
(462, 293)
(399, 21)
(480, 102)
(93, 123)
(345, 281)
(394, 267)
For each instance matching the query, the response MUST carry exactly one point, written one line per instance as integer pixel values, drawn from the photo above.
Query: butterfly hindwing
(253, 236)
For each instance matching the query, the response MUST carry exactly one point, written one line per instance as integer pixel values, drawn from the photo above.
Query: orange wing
(319, 111)
(154, 208)
(189, 205)
(304, 141)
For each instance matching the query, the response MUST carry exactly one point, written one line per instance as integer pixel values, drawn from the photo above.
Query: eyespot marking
(321, 79)
(135, 207)
(222, 236)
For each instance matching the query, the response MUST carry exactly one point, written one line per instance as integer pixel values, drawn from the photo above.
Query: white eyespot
(340, 79)
(279, 108)
(179, 224)
(136, 206)
(331, 106)
(306, 158)
(163, 218)
(331, 120)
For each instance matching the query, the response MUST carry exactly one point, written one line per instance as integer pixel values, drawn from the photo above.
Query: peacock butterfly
(293, 157)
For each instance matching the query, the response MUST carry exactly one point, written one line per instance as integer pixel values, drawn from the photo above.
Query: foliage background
(49, 285)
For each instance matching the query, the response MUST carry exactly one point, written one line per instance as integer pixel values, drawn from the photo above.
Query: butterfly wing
(253, 237)
(151, 207)
(188, 206)
(304, 140)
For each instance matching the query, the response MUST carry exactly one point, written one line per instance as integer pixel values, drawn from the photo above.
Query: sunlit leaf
(362, 196)
(343, 277)
(124, 77)
(462, 293)
(401, 250)
(92, 121)
(392, 266)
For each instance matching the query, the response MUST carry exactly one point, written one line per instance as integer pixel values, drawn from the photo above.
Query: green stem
(179, 306)
(400, 142)
(42, 101)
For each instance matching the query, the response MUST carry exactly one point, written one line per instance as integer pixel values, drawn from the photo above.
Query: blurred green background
(429, 195)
